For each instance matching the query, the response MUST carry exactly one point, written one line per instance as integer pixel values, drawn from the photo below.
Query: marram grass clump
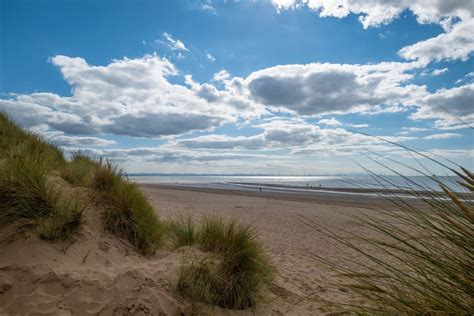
(79, 170)
(29, 198)
(128, 213)
(28, 165)
(422, 263)
(182, 231)
(16, 143)
(63, 222)
(234, 273)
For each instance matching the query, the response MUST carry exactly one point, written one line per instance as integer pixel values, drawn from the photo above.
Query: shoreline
(329, 197)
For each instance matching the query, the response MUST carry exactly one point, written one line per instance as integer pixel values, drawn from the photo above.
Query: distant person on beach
(260, 188)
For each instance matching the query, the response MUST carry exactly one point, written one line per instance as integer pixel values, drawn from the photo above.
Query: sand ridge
(97, 274)
(100, 274)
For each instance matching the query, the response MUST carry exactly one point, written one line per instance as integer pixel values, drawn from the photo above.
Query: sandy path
(301, 282)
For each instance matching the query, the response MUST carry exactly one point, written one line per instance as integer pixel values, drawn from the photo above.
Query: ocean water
(353, 181)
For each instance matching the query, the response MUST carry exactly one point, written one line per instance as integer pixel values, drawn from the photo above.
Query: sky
(274, 87)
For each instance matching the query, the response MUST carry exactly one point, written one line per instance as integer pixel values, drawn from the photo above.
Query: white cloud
(316, 89)
(221, 76)
(434, 72)
(451, 108)
(224, 142)
(335, 123)
(134, 97)
(330, 122)
(210, 58)
(437, 72)
(207, 7)
(443, 136)
(453, 153)
(414, 129)
(174, 44)
(456, 44)
(58, 138)
(180, 157)
(235, 95)
(469, 77)
(296, 135)
(377, 12)
(359, 125)
(129, 97)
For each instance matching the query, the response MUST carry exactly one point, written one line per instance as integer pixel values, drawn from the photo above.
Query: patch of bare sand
(97, 274)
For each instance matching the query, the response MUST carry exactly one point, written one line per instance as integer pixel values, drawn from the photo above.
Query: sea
(302, 182)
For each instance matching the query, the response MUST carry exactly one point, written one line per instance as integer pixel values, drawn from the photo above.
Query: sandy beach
(100, 274)
(228, 157)
(301, 284)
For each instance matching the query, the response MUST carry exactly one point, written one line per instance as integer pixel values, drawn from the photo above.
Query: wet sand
(360, 198)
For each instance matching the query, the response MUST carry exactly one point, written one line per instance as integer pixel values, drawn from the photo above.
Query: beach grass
(182, 231)
(64, 221)
(421, 264)
(16, 142)
(79, 170)
(128, 213)
(28, 195)
(234, 273)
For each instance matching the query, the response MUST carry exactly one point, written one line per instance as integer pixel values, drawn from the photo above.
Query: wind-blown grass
(182, 231)
(28, 198)
(79, 170)
(421, 263)
(233, 275)
(27, 194)
(16, 142)
(64, 221)
(128, 213)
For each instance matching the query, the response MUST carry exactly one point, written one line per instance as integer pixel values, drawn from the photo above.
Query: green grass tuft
(107, 176)
(234, 274)
(63, 222)
(27, 195)
(24, 192)
(79, 170)
(128, 213)
(17, 142)
(182, 231)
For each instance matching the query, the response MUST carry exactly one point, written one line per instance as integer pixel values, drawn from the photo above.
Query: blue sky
(280, 86)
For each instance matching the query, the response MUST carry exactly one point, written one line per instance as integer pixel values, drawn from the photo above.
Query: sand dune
(99, 274)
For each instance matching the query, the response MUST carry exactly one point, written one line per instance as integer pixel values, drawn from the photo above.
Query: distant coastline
(353, 184)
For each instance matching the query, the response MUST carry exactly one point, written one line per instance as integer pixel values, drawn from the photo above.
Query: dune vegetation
(234, 270)
(41, 192)
(128, 213)
(421, 264)
(30, 193)
(79, 171)
(29, 196)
